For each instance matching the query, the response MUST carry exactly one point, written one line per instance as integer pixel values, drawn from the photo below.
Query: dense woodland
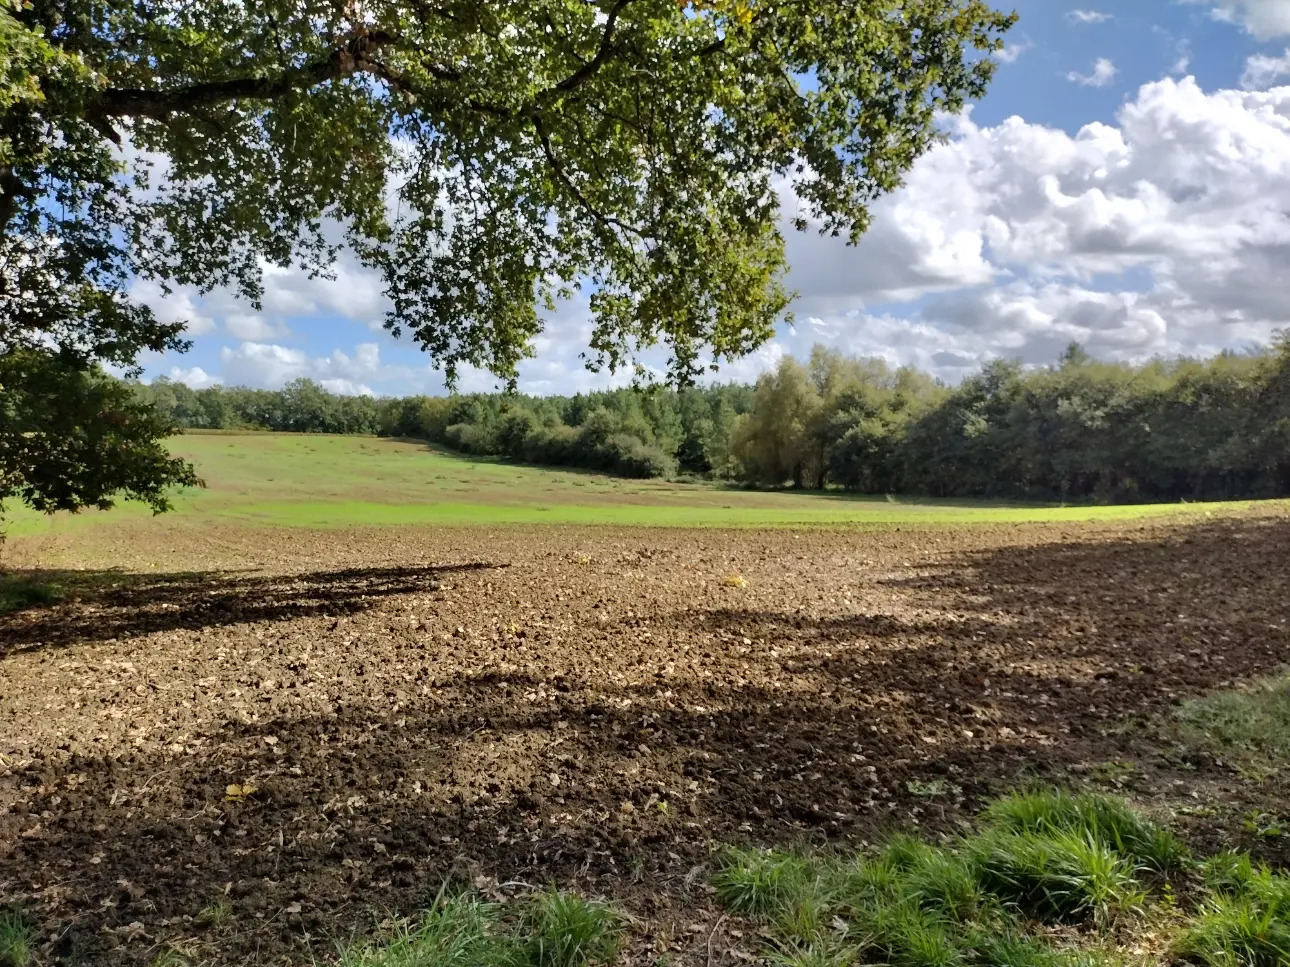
(1078, 430)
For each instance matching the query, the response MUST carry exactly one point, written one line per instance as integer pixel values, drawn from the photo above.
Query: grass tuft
(553, 929)
(1246, 930)
(1105, 820)
(20, 591)
(566, 930)
(457, 930)
(1064, 877)
(759, 883)
(1021, 892)
(1250, 729)
(16, 940)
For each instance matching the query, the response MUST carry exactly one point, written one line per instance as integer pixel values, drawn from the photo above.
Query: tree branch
(603, 53)
(143, 102)
(557, 167)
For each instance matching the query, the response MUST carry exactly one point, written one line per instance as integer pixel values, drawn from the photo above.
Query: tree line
(1079, 430)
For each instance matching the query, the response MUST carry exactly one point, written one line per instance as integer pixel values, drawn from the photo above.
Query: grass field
(327, 481)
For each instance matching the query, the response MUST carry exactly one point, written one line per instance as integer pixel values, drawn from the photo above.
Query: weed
(1240, 931)
(216, 912)
(1055, 858)
(16, 939)
(822, 954)
(734, 581)
(944, 882)
(171, 958)
(1230, 874)
(18, 591)
(905, 935)
(933, 788)
(1262, 825)
(457, 930)
(1011, 949)
(862, 883)
(1114, 773)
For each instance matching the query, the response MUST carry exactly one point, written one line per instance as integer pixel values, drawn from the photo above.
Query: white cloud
(1265, 19)
(178, 306)
(255, 328)
(1012, 52)
(270, 366)
(1264, 70)
(353, 292)
(1088, 16)
(196, 377)
(1165, 233)
(1104, 71)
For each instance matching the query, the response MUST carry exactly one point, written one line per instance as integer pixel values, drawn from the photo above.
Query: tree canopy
(484, 156)
(1080, 430)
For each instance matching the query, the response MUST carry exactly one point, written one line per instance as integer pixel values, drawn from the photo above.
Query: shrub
(471, 438)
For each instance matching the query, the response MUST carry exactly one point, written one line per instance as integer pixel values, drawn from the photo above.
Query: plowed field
(586, 706)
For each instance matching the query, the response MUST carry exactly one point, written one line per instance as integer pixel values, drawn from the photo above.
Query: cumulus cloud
(1088, 16)
(195, 376)
(1104, 71)
(177, 306)
(254, 327)
(1265, 19)
(1264, 70)
(1165, 233)
(270, 366)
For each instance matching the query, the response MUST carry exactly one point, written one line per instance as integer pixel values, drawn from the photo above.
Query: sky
(1124, 184)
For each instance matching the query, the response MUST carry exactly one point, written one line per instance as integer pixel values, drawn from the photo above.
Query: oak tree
(484, 156)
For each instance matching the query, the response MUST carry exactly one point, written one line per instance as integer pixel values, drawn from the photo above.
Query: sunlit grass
(301, 480)
(549, 929)
(1046, 879)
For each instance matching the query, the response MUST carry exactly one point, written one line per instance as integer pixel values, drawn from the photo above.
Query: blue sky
(1126, 183)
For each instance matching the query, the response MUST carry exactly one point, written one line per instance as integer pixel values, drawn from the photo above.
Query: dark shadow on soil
(826, 729)
(112, 604)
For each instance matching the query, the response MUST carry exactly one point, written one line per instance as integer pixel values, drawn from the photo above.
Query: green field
(326, 481)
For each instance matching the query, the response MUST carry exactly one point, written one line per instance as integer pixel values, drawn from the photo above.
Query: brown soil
(591, 707)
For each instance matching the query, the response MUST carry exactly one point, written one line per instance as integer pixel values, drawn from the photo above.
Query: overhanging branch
(351, 58)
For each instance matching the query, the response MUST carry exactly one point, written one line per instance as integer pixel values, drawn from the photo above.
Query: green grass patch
(1047, 879)
(21, 590)
(1244, 921)
(549, 929)
(301, 480)
(1247, 728)
(1103, 820)
(16, 940)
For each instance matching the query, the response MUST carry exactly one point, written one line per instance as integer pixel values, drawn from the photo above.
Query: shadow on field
(817, 727)
(110, 604)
